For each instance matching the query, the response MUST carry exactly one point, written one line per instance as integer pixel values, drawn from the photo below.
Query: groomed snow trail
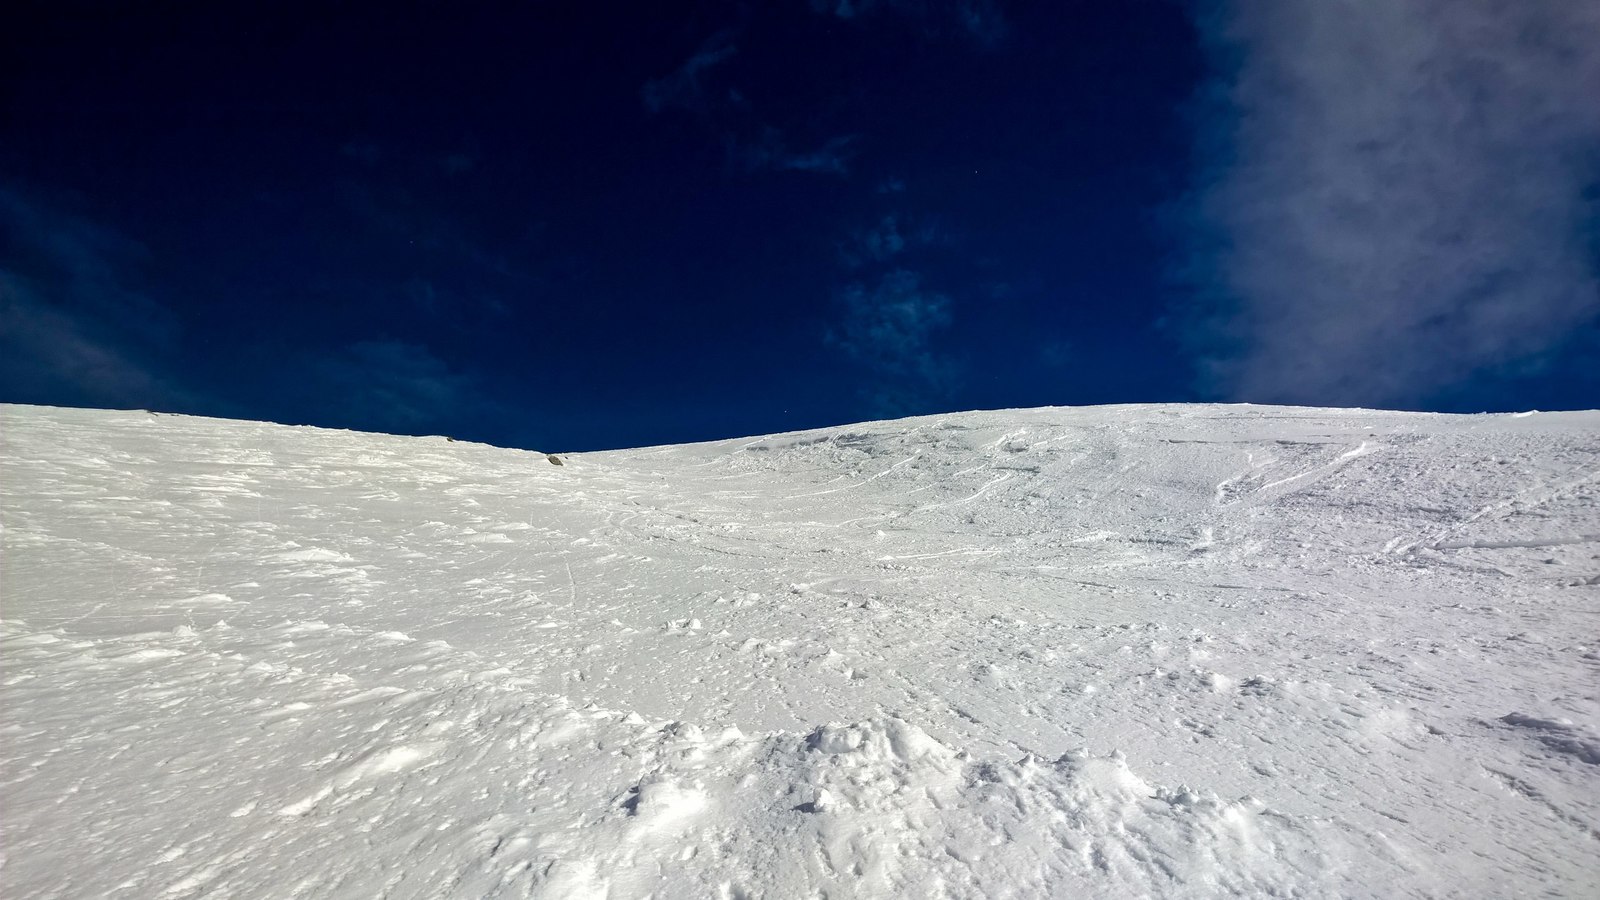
(1106, 652)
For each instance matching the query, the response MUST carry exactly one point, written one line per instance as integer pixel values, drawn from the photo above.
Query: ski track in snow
(1114, 651)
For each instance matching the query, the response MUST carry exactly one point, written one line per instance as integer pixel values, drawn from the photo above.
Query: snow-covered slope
(1120, 651)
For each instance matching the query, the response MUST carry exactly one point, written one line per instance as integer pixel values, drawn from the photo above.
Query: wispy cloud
(685, 87)
(980, 21)
(727, 116)
(1396, 194)
(890, 328)
(392, 385)
(72, 329)
(1057, 354)
(466, 269)
(891, 236)
(770, 152)
(362, 151)
(459, 163)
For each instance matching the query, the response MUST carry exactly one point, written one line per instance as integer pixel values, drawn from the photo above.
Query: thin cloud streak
(685, 87)
(1404, 194)
(771, 153)
(71, 329)
(395, 385)
(749, 146)
(979, 21)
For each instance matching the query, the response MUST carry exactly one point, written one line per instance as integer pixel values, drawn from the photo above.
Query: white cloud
(1404, 193)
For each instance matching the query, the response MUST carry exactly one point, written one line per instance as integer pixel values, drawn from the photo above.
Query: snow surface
(1118, 651)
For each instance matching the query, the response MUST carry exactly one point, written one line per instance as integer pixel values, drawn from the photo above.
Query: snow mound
(897, 813)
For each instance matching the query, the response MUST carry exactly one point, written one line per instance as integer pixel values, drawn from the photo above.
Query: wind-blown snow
(1119, 651)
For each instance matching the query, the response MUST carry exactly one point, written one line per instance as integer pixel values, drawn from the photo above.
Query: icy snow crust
(1107, 652)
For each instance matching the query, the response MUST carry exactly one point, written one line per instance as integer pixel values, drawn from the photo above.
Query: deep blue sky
(585, 225)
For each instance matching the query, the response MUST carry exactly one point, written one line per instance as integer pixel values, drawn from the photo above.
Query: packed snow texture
(1106, 652)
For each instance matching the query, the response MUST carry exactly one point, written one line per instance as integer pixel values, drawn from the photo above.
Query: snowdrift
(1119, 651)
